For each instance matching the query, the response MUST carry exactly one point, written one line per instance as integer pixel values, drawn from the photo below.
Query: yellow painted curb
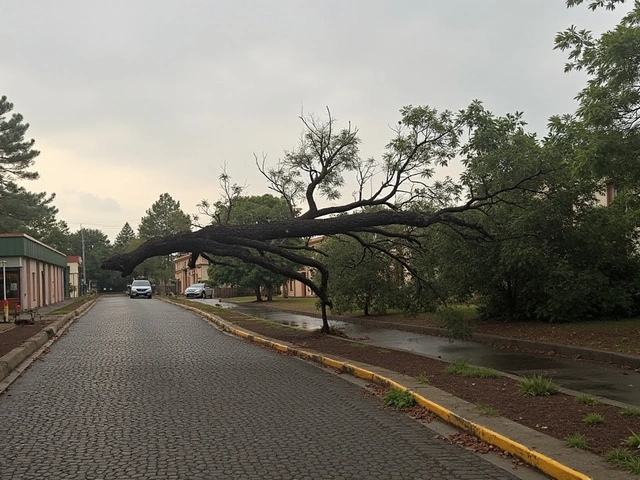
(537, 460)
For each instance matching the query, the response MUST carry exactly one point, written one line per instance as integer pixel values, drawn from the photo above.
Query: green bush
(594, 419)
(629, 412)
(457, 325)
(398, 398)
(624, 459)
(585, 399)
(633, 440)
(576, 441)
(538, 386)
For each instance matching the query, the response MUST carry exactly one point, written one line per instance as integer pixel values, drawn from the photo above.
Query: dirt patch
(16, 336)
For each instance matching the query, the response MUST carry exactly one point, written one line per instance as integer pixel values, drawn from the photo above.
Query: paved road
(142, 389)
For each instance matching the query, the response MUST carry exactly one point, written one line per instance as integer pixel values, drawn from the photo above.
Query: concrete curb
(538, 460)
(602, 356)
(12, 360)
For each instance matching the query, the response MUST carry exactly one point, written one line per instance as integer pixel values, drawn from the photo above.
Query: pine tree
(124, 237)
(163, 218)
(16, 154)
(20, 210)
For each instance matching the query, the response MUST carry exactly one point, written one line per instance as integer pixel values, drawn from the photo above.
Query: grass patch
(576, 441)
(357, 345)
(229, 315)
(423, 378)
(241, 299)
(398, 398)
(633, 440)
(382, 350)
(462, 368)
(629, 412)
(72, 306)
(205, 307)
(594, 419)
(624, 459)
(274, 326)
(585, 399)
(487, 410)
(306, 304)
(538, 386)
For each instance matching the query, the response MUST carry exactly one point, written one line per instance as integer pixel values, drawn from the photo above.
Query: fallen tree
(423, 140)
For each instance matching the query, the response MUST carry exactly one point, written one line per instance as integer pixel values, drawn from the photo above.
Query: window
(12, 283)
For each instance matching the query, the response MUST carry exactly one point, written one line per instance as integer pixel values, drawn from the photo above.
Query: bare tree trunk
(269, 293)
(324, 299)
(258, 294)
(325, 321)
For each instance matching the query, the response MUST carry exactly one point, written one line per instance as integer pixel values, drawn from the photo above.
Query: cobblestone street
(142, 389)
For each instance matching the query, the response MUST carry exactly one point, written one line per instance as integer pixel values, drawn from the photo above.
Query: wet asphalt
(605, 381)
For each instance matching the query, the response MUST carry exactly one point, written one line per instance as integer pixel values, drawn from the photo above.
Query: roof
(22, 245)
(30, 238)
(182, 257)
(74, 259)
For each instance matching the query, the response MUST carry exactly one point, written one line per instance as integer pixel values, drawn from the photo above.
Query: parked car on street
(140, 288)
(199, 290)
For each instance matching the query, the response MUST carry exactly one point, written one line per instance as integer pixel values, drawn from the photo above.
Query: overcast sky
(129, 99)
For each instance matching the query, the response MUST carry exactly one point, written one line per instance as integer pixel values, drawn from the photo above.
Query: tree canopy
(609, 105)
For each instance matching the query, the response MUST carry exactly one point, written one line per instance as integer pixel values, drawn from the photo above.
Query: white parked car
(199, 290)
(140, 288)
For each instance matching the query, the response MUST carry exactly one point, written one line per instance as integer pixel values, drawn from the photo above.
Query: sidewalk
(42, 312)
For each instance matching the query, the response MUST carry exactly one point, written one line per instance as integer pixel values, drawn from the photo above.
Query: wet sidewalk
(609, 382)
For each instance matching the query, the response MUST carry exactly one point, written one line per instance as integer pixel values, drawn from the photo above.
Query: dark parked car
(199, 290)
(140, 288)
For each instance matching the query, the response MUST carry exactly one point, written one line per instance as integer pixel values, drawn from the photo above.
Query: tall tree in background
(96, 247)
(609, 106)
(555, 254)
(20, 210)
(124, 237)
(16, 154)
(163, 218)
(54, 233)
(24, 211)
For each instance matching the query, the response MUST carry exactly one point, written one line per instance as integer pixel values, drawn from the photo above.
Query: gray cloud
(140, 98)
(92, 203)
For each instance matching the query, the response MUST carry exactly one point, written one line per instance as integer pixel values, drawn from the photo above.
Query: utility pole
(84, 268)
(5, 302)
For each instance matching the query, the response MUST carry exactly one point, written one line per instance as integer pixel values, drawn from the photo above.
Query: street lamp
(5, 302)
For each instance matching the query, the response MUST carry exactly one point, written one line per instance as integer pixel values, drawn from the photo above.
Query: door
(44, 298)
